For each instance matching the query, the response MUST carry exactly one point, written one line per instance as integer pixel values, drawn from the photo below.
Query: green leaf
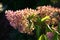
(41, 37)
(30, 17)
(49, 28)
(59, 27)
(38, 19)
(45, 37)
(45, 18)
(38, 31)
(55, 36)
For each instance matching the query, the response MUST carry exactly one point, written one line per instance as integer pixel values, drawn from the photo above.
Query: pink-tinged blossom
(49, 11)
(10, 16)
(50, 35)
(19, 19)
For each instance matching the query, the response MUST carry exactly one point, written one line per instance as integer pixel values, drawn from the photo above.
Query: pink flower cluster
(54, 14)
(19, 19)
(50, 35)
(47, 10)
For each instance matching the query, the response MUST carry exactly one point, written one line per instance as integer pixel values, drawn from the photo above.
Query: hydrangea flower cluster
(19, 19)
(54, 14)
(48, 10)
(50, 35)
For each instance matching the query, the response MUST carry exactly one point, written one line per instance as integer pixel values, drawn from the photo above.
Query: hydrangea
(21, 19)
(50, 35)
(54, 14)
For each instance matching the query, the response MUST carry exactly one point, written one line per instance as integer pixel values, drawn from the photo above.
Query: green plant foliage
(45, 18)
(38, 31)
(43, 37)
(55, 36)
(44, 2)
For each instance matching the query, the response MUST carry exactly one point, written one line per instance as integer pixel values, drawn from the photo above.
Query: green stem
(37, 31)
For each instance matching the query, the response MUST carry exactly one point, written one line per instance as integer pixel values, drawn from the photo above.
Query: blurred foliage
(55, 1)
(44, 2)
